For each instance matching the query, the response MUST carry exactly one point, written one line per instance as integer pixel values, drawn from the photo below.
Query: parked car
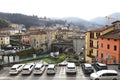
(28, 68)
(119, 66)
(104, 75)
(87, 68)
(51, 69)
(15, 69)
(1, 66)
(39, 68)
(100, 66)
(71, 68)
(64, 63)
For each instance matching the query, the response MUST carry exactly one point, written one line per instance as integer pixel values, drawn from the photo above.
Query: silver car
(104, 75)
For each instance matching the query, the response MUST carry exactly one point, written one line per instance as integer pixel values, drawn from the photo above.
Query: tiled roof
(115, 34)
(100, 29)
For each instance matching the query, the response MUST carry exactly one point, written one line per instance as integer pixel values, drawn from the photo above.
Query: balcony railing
(90, 55)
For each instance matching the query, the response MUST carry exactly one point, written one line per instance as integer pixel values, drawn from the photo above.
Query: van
(15, 69)
(28, 68)
(51, 69)
(39, 68)
(71, 68)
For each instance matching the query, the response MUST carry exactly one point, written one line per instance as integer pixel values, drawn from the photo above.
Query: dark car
(100, 66)
(1, 66)
(87, 68)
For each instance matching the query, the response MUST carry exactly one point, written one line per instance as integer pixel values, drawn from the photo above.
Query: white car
(51, 69)
(104, 75)
(15, 69)
(39, 68)
(28, 68)
(71, 68)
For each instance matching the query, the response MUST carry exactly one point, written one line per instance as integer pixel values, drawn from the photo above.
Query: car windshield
(37, 68)
(25, 69)
(88, 68)
(71, 67)
(13, 68)
(50, 68)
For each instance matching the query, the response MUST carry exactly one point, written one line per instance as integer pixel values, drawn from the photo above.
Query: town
(65, 45)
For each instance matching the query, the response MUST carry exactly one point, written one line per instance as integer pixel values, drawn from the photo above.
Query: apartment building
(109, 46)
(91, 39)
(38, 40)
(4, 39)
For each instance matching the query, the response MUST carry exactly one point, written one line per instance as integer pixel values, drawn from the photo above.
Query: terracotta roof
(115, 34)
(115, 21)
(100, 29)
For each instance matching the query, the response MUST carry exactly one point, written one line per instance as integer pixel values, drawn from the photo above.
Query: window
(115, 40)
(108, 39)
(91, 35)
(115, 47)
(1, 38)
(101, 55)
(108, 46)
(97, 35)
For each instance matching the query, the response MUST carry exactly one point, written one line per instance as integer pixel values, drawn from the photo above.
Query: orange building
(109, 47)
(25, 39)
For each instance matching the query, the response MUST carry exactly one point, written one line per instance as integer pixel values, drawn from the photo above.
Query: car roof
(16, 65)
(28, 65)
(101, 64)
(71, 65)
(51, 65)
(38, 65)
(87, 65)
(106, 71)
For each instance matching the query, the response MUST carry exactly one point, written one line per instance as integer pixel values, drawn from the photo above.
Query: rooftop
(115, 34)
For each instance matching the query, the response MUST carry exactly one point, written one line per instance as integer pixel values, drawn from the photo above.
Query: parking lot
(60, 74)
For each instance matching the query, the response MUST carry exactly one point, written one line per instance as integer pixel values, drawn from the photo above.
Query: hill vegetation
(29, 20)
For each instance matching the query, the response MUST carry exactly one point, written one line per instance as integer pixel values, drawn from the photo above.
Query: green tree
(3, 23)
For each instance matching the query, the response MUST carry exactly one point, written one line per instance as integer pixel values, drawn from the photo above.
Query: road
(4, 75)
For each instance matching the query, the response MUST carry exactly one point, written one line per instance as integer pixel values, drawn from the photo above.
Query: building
(38, 40)
(109, 46)
(4, 39)
(91, 39)
(25, 39)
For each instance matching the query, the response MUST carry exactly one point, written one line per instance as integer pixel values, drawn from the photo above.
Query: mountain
(29, 20)
(104, 20)
(81, 23)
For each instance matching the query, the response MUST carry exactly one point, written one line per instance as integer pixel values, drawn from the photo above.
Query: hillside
(29, 20)
(81, 23)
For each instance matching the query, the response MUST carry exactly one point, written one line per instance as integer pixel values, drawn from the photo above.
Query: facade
(4, 39)
(25, 39)
(109, 46)
(91, 39)
(38, 40)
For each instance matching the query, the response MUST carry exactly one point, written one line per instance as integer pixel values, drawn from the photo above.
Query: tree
(3, 23)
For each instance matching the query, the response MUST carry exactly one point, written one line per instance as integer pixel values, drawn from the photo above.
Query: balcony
(90, 55)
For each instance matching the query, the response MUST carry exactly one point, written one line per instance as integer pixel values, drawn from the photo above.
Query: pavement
(60, 74)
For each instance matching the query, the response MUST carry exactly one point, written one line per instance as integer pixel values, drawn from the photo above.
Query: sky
(85, 9)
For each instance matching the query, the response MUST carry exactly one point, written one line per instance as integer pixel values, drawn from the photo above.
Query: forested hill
(29, 20)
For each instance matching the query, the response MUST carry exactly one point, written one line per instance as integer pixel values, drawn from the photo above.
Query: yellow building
(38, 40)
(91, 39)
(4, 39)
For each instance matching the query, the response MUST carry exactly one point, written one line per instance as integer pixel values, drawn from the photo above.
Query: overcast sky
(85, 9)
